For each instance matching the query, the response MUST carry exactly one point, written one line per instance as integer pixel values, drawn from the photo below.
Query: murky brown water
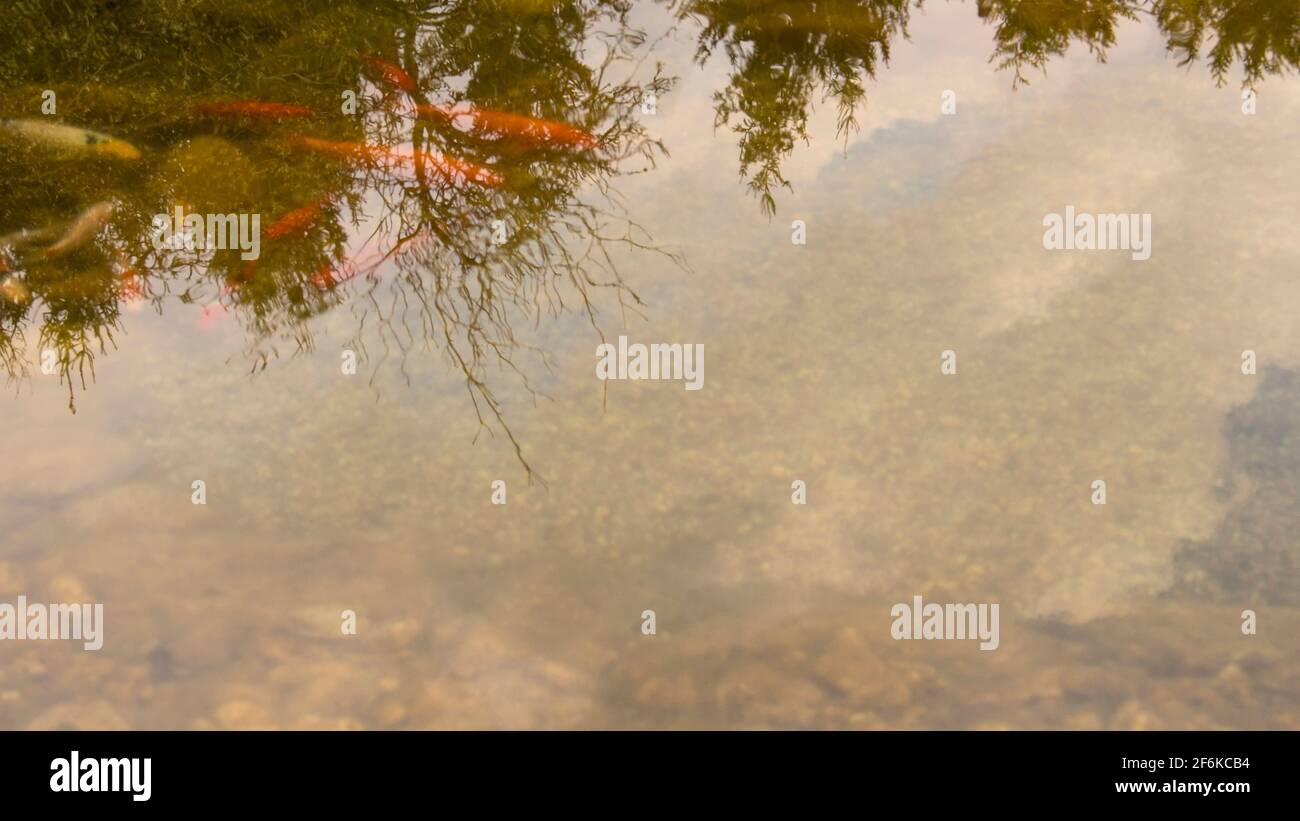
(372, 492)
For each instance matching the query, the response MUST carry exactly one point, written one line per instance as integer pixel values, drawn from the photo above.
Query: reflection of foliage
(785, 52)
(80, 316)
(449, 263)
(782, 53)
(435, 239)
(12, 343)
(1031, 33)
(458, 287)
(1263, 34)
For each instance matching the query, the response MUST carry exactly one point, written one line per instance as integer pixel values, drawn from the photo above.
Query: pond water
(468, 198)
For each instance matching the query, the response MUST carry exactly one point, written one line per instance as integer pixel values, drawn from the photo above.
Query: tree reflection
(472, 186)
(1262, 35)
(539, 98)
(784, 52)
(787, 54)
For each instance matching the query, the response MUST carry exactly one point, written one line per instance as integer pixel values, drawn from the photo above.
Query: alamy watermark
(77, 774)
(1098, 232)
(208, 232)
(67, 622)
(946, 622)
(655, 361)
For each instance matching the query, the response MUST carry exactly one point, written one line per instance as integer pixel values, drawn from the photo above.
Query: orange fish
(329, 276)
(81, 230)
(299, 219)
(377, 154)
(254, 109)
(393, 75)
(324, 279)
(513, 125)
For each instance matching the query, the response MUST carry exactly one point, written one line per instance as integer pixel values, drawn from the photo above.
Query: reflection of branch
(1031, 34)
(456, 284)
(73, 329)
(1263, 34)
(12, 342)
(550, 132)
(782, 52)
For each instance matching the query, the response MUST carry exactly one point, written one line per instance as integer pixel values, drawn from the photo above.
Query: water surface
(372, 492)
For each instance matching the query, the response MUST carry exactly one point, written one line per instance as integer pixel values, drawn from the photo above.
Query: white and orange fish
(28, 236)
(69, 138)
(82, 230)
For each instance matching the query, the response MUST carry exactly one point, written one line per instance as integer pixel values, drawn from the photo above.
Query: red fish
(297, 220)
(393, 75)
(513, 125)
(377, 154)
(255, 109)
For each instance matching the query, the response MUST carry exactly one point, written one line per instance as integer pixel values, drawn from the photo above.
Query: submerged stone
(208, 174)
(1254, 558)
